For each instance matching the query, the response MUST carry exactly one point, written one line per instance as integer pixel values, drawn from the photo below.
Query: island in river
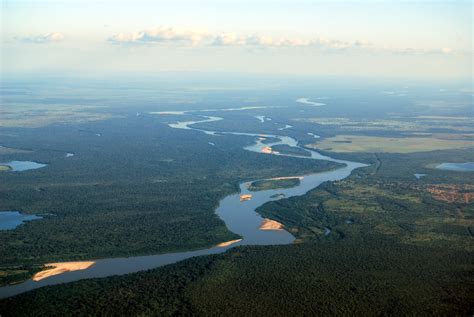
(275, 183)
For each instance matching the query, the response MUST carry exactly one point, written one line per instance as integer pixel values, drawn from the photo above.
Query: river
(239, 216)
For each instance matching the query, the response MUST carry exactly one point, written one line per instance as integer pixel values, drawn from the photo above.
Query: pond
(457, 167)
(20, 166)
(11, 219)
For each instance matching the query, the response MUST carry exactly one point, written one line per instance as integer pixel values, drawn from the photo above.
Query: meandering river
(239, 216)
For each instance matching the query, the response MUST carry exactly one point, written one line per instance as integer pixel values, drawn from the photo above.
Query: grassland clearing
(375, 144)
(4, 168)
(34, 116)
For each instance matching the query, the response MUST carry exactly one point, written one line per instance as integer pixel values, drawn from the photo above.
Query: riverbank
(244, 222)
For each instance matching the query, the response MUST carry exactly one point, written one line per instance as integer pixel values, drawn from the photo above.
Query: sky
(420, 39)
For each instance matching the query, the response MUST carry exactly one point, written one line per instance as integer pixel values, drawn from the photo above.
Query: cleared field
(412, 125)
(34, 116)
(355, 143)
(7, 150)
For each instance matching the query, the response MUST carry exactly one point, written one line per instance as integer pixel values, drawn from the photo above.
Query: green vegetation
(396, 247)
(373, 144)
(4, 168)
(343, 277)
(270, 140)
(6, 150)
(14, 275)
(286, 149)
(139, 188)
(35, 115)
(393, 250)
(408, 125)
(384, 198)
(266, 184)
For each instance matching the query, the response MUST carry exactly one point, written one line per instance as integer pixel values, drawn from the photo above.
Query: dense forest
(138, 188)
(380, 242)
(386, 197)
(394, 248)
(335, 277)
(286, 149)
(266, 184)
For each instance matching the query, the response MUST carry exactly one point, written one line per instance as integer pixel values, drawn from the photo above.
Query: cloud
(161, 35)
(231, 39)
(197, 37)
(43, 38)
(420, 51)
(399, 93)
(204, 38)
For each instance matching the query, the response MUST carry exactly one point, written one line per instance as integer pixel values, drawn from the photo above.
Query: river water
(11, 219)
(239, 216)
(21, 166)
(457, 167)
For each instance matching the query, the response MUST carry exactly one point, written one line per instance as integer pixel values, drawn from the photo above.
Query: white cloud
(204, 38)
(43, 38)
(199, 37)
(231, 39)
(420, 51)
(162, 35)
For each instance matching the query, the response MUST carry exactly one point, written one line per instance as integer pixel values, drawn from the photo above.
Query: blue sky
(351, 38)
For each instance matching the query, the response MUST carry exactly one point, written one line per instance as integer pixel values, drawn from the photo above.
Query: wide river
(239, 216)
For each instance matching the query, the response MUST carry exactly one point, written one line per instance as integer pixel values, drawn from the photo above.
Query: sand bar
(59, 268)
(285, 177)
(267, 150)
(244, 197)
(268, 224)
(227, 243)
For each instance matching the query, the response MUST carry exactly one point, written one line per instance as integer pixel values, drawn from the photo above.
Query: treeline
(286, 149)
(373, 200)
(372, 276)
(139, 188)
(266, 184)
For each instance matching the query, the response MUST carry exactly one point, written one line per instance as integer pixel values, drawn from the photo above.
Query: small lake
(20, 166)
(457, 167)
(11, 219)
(307, 101)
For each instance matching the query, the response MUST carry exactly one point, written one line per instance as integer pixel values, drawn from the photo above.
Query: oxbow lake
(21, 166)
(457, 167)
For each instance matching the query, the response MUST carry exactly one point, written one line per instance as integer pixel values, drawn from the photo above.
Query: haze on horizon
(409, 39)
